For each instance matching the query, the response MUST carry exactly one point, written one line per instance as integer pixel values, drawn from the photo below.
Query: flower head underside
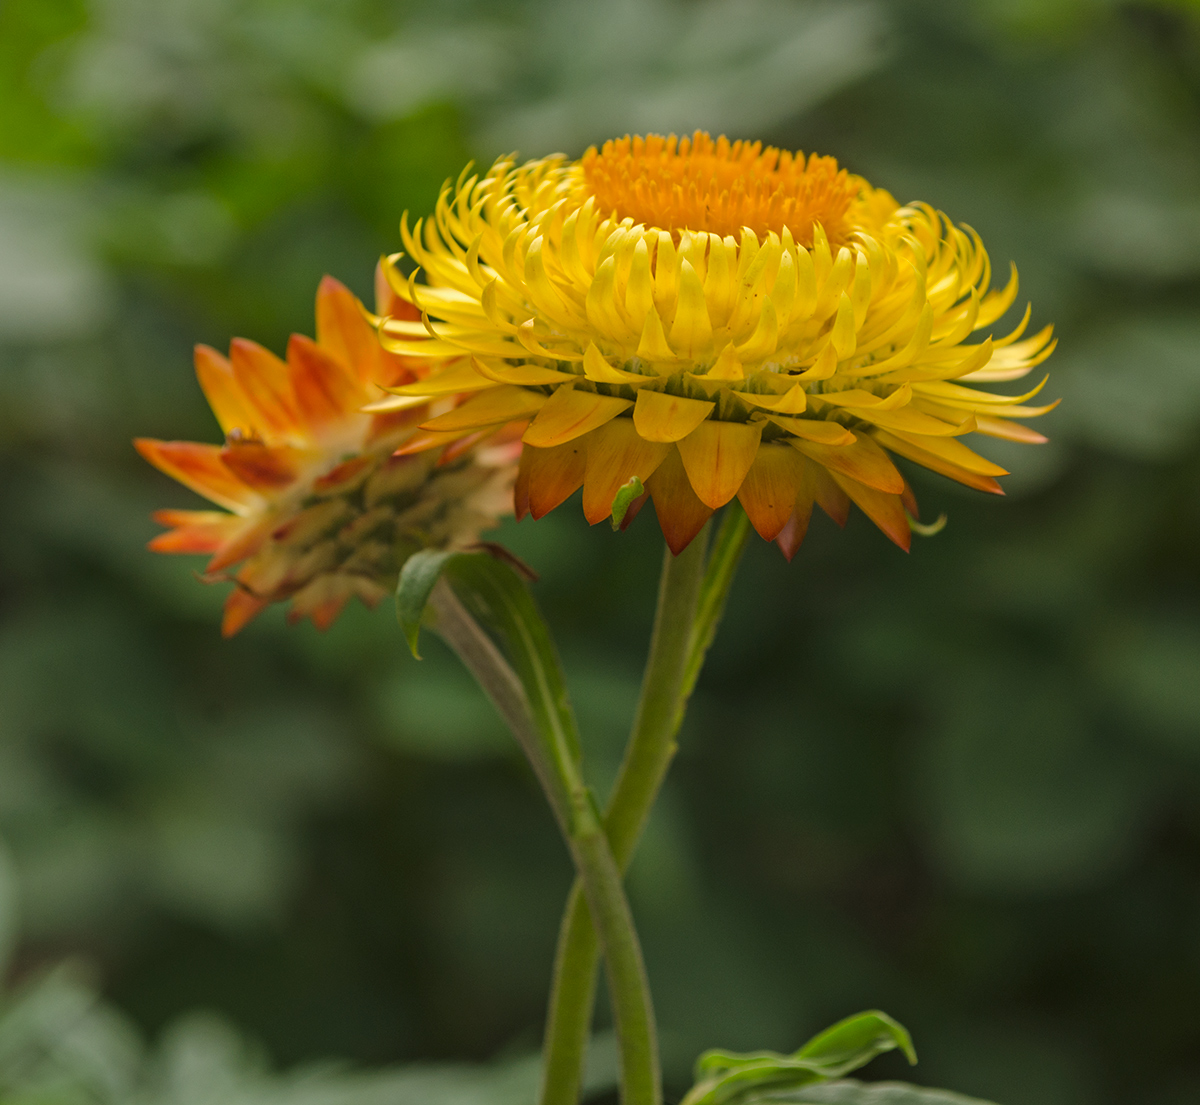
(321, 502)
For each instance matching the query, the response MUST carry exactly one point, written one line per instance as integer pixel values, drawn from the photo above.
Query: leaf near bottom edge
(849, 1091)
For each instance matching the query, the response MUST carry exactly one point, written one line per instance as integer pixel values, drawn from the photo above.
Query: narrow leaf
(417, 578)
(852, 1092)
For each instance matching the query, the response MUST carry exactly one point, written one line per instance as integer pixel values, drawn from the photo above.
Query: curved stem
(545, 731)
(691, 599)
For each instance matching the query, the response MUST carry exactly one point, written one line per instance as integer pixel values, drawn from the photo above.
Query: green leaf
(858, 1039)
(852, 1092)
(417, 578)
(723, 1076)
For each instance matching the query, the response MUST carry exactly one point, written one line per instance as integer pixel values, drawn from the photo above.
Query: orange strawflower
(320, 507)
(715, 319)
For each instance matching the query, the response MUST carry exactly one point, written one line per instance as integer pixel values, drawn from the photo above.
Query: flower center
(719, 186)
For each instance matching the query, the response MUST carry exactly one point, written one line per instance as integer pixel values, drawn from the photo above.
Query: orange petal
(717, 456)
(863, 461)
(241, 607)
(242, 544)
(424, 440)
(828, 496)
(220, 388)
(569, 414)
(615, 454)
(886, 511)
(547, 477)
(193, 531)
(662, 417)
(770, 488)
(324, 389)
(199, 467)
(489, 408)
(264, 381)
(344, 332)
(940, 463)
(681, 515)
(264, 467)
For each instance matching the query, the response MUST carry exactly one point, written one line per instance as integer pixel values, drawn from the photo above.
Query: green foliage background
(962, 785)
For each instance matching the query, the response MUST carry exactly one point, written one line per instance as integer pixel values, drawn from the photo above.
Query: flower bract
(717, 319)
(320, 502)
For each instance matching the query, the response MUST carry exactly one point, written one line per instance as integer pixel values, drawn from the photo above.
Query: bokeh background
(962, 785)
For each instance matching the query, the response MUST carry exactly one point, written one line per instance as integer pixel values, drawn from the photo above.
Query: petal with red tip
(886, 511)
(768, 493)
(681, 514)
(717, 456)
(863, 461)
(547, 477)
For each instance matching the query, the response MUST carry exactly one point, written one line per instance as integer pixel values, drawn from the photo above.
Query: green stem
(691, 599)
(545, 731)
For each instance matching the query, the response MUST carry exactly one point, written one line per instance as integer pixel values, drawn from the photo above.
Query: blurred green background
(961, 785)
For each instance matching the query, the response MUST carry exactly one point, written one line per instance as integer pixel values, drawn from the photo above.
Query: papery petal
(569, 413)
(201, 468)
(547, 477)
(616, 453)
(662, 417)
(717, 456)
(768, 493)
(681, 514)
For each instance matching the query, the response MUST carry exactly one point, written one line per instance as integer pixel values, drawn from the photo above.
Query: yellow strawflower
(715, 319)
(323, 503)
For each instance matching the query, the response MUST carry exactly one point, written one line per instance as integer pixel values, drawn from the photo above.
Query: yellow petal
(662, 417)
(865, 400)
(815, 429)
(394, 403)
(653, 343)
(502, 404)
(824, 367)
(764, 339)
(569, 413)
(726, 366)
(843, 337)
(793, 401)
(459, 376)
(691, 332)
(917, 422)
(599, 371)
(524, 375)
(717, 456)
